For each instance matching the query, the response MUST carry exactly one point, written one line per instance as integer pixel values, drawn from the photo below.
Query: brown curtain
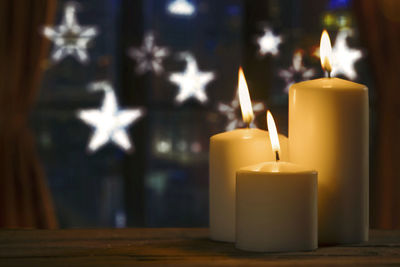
(24, 196)
(379, 22)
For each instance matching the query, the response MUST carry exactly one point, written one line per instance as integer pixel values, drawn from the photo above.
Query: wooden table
(174, 247)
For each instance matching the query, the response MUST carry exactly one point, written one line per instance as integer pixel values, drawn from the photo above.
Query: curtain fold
(25, 199)
(379, 24)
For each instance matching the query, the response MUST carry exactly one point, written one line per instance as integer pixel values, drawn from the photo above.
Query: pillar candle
(276, 208)
(229, 152)
(328, 131)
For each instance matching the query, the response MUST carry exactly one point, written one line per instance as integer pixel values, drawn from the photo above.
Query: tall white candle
(229, 152)
(276, 205)
(328, 131)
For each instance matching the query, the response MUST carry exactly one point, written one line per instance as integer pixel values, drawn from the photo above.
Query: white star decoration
(297, 72)
(192, 82)
(109, 121)
(149, 56)
(233, 113)
(344, 57)
(69, 37)
(181, 8)
(269, 43)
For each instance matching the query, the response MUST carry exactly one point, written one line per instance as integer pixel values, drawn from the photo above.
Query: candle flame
(325, 52)
(244, 99)
(273, 133)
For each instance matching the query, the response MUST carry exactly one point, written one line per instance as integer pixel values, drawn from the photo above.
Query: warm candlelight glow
(244, 99)
(325, 52)
(273, 133)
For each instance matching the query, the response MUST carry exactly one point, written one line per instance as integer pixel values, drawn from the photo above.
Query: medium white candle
(229, 152)
(328, 131)
(276, 207)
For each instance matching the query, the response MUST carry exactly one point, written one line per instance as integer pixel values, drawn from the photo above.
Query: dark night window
(142, 49)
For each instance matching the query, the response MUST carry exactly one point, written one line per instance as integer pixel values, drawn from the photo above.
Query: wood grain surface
(175, 247)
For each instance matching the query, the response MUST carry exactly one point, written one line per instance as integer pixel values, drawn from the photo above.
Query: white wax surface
(230, 151)
(328, 131)
(276, 208)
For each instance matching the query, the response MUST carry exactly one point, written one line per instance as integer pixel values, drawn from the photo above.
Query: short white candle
(276, 207)
(328, 131)
(229, 152)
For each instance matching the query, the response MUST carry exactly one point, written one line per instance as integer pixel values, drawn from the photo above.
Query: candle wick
(329, 74)
(277, 158)
(247, 124)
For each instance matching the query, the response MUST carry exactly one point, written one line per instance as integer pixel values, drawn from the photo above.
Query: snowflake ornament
(344, 57)
(233, 113)
(149, 56)
(269, 43)
(297, 72)
(109, 121)
(70, 38)
(192, 82)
